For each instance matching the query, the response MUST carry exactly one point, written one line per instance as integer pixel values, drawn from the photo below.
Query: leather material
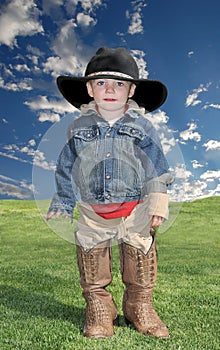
(139, 275)
(95, 275)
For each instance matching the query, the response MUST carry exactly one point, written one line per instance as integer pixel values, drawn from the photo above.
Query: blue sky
(176, 42)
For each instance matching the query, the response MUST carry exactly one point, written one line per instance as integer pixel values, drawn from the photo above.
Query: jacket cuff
(158, 204)
(160, 183)
(59, 206)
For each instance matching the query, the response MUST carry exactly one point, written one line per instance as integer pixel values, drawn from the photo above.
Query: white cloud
(23, 85)
(32, 142)
(52, 8)
(136, 26)
(2, 83)
(38, 157)
(88, 5)
(50, 117)
(35, 51)
(192, 99)
(212, 145)
(6, 71)
(43, 104)
(40, 161)
(14, 152)
(167, 143)
(196, 164)
(181, 173)
(11, 156)
(22, 68)
(195, 189)
(15, 188)
(66, 64)
(212, 105)
(142, 64)
(34, 63)
(7, 179)
(19, 18)
(211, 175)
(159, 120)
(190, 134)
(190, 53)
(15, 191)
(186, 188)
(71, 55)
(27, 154)
(84, 20)
(216, 191)
(181, 176)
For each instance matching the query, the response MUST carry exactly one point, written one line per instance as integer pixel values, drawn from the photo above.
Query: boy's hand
(56, 215)
(156, 221)
(51, 214)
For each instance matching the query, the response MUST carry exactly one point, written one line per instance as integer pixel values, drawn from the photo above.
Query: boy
(114, 167)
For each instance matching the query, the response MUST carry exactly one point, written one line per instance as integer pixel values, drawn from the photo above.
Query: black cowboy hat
(113, 64)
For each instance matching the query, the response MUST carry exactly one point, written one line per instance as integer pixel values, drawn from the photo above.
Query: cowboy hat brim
(150, 94)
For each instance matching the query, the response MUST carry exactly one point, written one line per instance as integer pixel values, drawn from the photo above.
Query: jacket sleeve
(157, 174)
(158, 199)
(158, 204)
(64, 199)
(158, 177)
(160, 183)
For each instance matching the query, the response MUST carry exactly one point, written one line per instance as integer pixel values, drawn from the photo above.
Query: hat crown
(113, 60)
(117, 64)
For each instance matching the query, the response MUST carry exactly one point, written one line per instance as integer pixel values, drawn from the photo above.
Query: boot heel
(128, 323)
(116, 321)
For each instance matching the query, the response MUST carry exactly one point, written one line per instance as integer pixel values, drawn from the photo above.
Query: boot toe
(98, 332)
(161, 332)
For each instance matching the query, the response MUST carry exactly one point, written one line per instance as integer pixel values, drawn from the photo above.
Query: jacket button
(108, 155)
(108, 177)
(108, 134)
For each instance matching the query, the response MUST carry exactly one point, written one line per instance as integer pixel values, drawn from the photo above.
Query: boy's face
(110, 94)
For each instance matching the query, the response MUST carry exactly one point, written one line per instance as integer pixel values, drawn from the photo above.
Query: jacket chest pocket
(86, 134)
(132, 131)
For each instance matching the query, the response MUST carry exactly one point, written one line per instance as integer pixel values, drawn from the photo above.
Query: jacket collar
(132, 106)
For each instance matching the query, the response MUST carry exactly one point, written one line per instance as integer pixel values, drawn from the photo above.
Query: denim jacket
(102, 164)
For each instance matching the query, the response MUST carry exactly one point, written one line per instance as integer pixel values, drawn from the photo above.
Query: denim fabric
(109, 164)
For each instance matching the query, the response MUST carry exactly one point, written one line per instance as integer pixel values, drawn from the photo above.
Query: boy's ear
(132, 90)
(89, 88)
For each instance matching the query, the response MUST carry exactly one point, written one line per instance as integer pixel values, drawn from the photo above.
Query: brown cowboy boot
(139, 274)
(95, 275)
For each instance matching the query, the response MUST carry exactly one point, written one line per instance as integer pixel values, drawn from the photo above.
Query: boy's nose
(109, 88)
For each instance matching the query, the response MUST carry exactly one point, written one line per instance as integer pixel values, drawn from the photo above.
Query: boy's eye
(100, 83)
(116, 83)
(119, 83)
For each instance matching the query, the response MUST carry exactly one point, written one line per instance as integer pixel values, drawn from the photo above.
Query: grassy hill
(41, 303)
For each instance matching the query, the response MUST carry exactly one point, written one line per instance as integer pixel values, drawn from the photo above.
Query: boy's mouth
(110, 99)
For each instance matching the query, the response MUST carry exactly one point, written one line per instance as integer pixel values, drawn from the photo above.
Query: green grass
(41, 303)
